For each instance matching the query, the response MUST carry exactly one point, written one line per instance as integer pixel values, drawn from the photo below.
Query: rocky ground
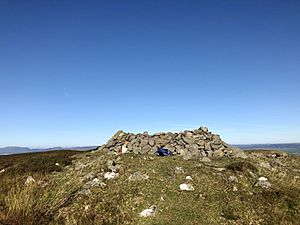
(191, 187)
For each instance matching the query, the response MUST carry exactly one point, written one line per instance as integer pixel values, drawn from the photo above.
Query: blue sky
(74, 72)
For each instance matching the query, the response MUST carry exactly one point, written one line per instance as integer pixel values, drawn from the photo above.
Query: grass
(56, 196)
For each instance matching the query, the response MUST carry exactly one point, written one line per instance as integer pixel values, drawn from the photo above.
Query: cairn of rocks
(199, 142)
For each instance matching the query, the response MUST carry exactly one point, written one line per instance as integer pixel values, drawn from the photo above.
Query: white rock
(262, 179)
(220, 169)
(29, 180)
(110, 175)
(87, 207)
(188, 178)
(2, 171)
(179, 170)
(235, 188)
(124, 149)
(148, 212)
(186, 187)
(263, 183)
(56, 164)
(233, 179)
(95, 182)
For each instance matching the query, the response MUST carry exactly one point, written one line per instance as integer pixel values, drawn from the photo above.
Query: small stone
(262, 179)
(87, 207)
(263, 183)
(202, 196)
(205, 159)
(186, 187)
(220, 169)
(188, 178)
(148, 212)
(2, 171)
(138, 176)
(110, 175)
(233, 179)
(235, 188)
(57, 164)
(95, 182)
(29, 180)
(179, 170)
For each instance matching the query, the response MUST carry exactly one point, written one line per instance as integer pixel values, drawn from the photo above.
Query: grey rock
(209, 154)
(138, 176)
(152, 142)
(215, 146)
(204, 129)
(188, 140)
(143, 142)
(205, 159)
(146, 149)
(218, 153)
(170, 147)
(207, 147)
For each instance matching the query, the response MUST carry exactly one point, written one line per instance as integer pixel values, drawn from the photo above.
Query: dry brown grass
(56, 200)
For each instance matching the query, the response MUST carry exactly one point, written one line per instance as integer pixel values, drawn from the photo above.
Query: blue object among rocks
(164, 152)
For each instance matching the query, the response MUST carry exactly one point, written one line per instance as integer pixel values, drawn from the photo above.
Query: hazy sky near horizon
(74, 72)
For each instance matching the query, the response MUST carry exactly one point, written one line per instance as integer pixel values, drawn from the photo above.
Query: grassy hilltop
(69, 187)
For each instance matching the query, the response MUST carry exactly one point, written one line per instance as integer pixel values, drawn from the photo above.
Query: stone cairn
(199, 142)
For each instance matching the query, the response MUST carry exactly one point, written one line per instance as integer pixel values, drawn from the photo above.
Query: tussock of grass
(27, 203)
(241, 166)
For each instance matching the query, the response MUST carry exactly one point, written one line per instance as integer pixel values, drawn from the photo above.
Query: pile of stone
(199, 142)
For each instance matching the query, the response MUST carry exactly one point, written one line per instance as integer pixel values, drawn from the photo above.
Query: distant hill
(18, 150)
(290, 147)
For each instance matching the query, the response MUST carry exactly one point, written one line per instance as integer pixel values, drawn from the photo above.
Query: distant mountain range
(292, 148)
(289, 147)
(18, 150)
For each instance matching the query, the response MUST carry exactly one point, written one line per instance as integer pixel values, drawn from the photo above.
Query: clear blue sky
(74, 72)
